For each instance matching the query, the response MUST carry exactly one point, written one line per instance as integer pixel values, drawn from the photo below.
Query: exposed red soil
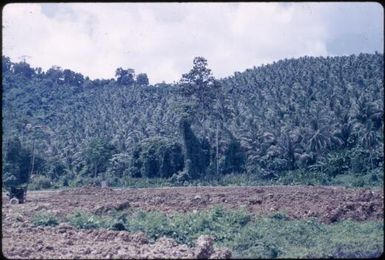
(21, 240)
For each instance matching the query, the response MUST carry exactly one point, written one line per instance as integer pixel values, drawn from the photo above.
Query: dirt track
(21, 239)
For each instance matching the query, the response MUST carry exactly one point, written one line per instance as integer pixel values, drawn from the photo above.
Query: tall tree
(142, 79)
(197, 152)
(199, 83)
(125, 77)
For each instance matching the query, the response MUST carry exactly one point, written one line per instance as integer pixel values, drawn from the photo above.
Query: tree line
(322, 114)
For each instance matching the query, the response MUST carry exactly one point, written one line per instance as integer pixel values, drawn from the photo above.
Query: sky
(162, 39)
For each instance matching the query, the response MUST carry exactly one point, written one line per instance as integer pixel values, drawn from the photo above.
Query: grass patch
(275, 236)
(272, 238)
(45, 219)
(84, 220)
(186, 228)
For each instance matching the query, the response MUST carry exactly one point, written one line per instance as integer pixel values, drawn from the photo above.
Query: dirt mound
(112, 207)
(66, 242)
(88, 190)
(328, 204)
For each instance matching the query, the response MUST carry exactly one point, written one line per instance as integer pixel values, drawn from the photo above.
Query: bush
(84, 220)
(40, 182)
(45, 219)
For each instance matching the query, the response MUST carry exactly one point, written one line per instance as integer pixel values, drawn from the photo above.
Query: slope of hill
(312, 114)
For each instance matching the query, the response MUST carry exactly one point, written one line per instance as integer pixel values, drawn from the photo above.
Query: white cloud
(162, 39)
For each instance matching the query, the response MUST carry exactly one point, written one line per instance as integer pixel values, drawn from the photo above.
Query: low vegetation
(45, 219)
(275, 236)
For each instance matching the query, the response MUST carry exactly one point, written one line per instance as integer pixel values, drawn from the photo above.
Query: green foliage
(125, 77)
(199, 83)
(142, 79)
(285, 238)
(56, 170)
(276, 236)
(97, 154)
(132, 182)
(156, 157)
(234, 158)
(323, 114)
(16, 169)
(40, 182)
(185, 228)
(45, 219)
(84, 220)
(197, 152)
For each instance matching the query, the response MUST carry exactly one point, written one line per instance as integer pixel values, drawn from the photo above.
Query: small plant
(84, 220)
(45, 219)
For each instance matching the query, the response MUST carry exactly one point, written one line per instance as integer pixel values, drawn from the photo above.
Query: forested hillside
(309, 115)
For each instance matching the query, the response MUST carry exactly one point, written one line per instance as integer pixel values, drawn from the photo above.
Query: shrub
(40, 182)
(84, 220)
(45, 219)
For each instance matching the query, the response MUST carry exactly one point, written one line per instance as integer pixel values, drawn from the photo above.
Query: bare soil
(20, 239)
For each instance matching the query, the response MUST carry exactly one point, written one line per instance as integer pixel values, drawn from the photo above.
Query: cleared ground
(20, 239)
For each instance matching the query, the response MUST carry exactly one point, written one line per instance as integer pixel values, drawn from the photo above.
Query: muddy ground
(20, 239)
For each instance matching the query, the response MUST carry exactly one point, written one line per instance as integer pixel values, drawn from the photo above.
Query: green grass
(275, 236)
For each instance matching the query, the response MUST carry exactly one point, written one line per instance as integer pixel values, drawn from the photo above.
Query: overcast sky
(161, 39)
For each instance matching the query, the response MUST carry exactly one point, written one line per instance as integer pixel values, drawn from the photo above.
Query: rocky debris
(254, 201)
(40, 207)
(64, 227)
(197, 197)
(88, 190)
(297, 201)
(358, 211)
(107, 244)
(221, 254)
(204, 247)
(139, 238)
(368, 195)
